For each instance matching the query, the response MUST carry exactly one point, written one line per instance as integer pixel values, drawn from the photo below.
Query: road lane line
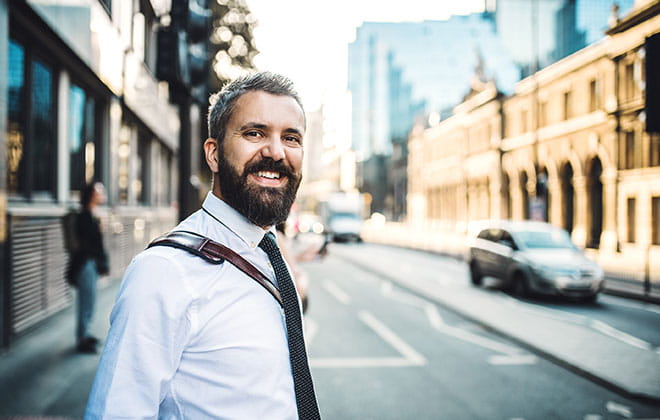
(511, 354)
(620, 409)
(518, 359)
(392, 339)
(593, 324)
(332, 288)
(620, 335)
(478, 340)
(633, 305)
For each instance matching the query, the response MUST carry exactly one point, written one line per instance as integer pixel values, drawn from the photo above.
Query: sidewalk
(42, 375)
(632, 370)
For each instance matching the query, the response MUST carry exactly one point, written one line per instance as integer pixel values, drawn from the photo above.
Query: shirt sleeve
(150, 325)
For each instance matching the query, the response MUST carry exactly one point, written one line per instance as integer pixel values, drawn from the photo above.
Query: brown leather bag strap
(214, 253)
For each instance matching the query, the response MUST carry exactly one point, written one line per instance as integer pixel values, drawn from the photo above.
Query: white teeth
(268, 174)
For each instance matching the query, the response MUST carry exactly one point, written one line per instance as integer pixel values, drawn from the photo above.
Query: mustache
(268, 164)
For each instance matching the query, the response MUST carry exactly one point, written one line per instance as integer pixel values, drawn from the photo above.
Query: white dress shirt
(193, 340)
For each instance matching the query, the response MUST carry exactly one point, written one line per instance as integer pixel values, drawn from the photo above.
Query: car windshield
(545, 239)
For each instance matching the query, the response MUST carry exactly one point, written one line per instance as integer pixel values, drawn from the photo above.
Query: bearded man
(190, 339)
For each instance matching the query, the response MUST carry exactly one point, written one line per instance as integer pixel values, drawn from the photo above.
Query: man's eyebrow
(253, 125)
(262, 126)
(294, 131)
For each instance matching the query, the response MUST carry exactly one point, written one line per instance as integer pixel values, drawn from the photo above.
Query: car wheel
(475, 274)
(520, 286)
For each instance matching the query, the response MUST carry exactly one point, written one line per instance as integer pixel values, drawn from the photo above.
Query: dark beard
(262, 206)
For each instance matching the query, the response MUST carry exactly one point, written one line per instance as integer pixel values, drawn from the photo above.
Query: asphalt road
(379, 351)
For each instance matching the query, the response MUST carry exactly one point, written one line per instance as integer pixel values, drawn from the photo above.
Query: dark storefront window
(32, 134)
(15, 118)
(83, 137)
(44, 145)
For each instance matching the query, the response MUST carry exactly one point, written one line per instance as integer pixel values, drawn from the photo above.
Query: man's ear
(211, 154)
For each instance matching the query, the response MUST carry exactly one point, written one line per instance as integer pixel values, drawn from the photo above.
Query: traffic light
(183, 52)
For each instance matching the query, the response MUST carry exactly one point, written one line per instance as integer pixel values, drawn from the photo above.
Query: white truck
(341, 215)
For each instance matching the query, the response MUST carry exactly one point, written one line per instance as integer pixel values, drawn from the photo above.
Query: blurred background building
(577, 144)
(538, 109)
(111, 91)
(400, 72)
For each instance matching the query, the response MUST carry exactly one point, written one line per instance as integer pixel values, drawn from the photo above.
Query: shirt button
(253, 245)
(270, 265)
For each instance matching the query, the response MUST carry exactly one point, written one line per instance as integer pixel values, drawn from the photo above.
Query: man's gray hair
(222, 102)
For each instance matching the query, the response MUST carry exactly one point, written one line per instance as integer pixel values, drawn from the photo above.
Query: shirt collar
(249, 233)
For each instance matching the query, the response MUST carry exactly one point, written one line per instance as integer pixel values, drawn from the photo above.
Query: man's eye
(293, 139)
(252, 133)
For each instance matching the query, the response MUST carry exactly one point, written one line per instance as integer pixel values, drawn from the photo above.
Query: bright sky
(307, 40)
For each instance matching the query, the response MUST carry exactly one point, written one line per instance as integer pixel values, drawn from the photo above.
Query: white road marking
(620, 335)
(336, 292)
(410, 356)
(514, 359)
(635, 305)
(620, 409)
(391, 338)
(593, 417)
(511, 355)
(594, 324)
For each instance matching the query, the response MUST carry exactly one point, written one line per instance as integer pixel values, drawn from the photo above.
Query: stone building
(569, 147)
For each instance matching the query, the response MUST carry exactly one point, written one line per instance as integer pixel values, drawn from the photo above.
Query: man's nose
(274, 149)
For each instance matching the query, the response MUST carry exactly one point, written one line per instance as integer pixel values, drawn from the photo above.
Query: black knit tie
(302, 379)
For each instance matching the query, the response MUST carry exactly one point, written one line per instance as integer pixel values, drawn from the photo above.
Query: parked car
(534, 258)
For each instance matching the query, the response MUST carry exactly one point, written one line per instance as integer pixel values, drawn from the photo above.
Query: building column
(495, 199)
(557, 201)
(608, 238)
(580, 225)
(517, 211)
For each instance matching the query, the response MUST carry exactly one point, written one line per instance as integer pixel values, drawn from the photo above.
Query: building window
(568, 111)
(543, 114)
(629, 81)
(594, 95)
(83, 138)
(142, 167)
(655, 220)
(629, 150)
(123, 164)
(654, 149)
(631, 205)
(31, 128)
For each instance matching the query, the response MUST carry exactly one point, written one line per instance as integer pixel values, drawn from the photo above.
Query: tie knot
(268, 243)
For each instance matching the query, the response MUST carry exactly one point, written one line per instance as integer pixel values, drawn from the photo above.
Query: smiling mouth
(269, 174)
(269, 178)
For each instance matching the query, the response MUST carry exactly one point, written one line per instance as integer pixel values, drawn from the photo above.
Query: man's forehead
(265, 108)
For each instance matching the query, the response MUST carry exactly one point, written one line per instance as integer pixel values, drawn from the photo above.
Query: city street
(383, 349)
(380, 351)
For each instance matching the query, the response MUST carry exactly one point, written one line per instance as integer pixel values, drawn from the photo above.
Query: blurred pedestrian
(88, 262)
(191, 339)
